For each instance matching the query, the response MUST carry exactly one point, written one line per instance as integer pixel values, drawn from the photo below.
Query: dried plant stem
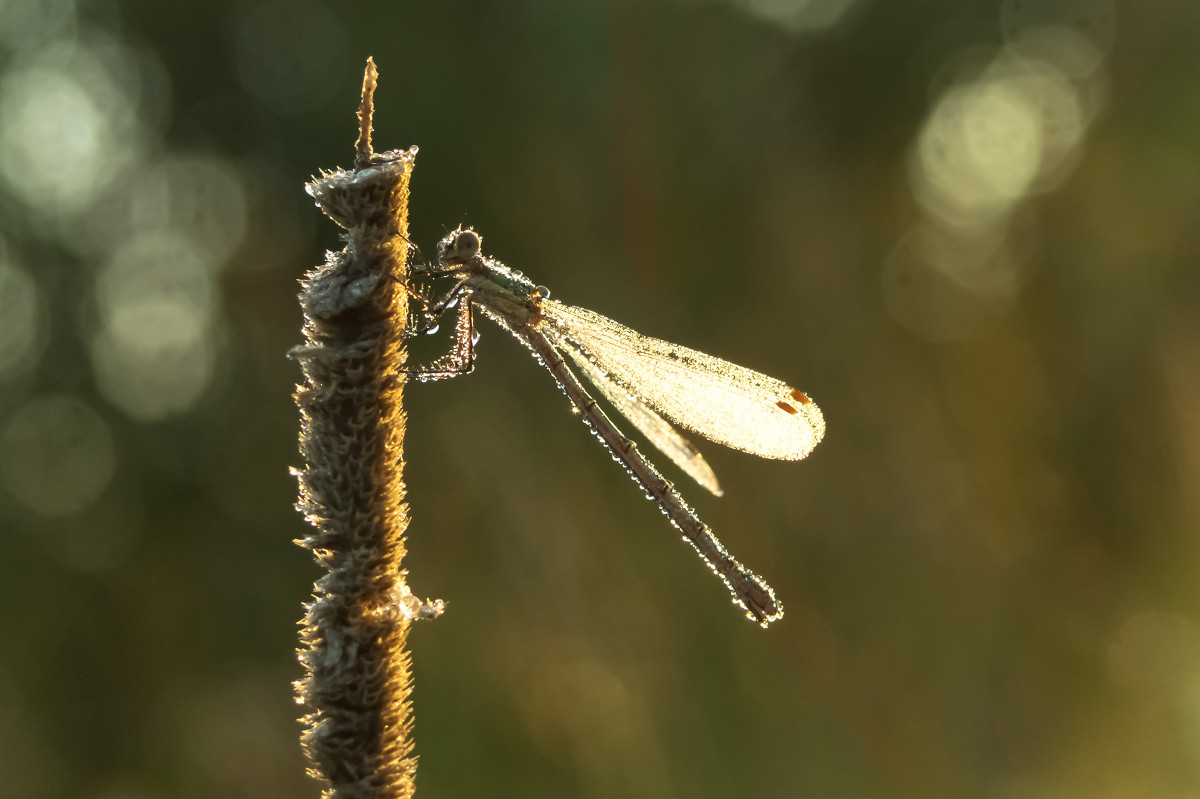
(357, 683)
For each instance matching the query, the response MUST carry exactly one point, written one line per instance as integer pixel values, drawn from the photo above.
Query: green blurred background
(969, 230)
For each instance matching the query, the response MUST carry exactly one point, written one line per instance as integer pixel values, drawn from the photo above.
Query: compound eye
(462, 247)
(467, 244)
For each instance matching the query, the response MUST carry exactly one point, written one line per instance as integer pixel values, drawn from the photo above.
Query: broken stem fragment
(366, 113)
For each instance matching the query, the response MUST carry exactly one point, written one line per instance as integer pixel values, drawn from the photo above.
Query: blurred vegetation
(968, 230)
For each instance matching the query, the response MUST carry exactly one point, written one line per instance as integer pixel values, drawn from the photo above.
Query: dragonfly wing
(655, 428)
(719, 400)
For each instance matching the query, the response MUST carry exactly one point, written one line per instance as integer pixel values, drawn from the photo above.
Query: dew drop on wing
(432, 330)
(452, 304)
(474, 337)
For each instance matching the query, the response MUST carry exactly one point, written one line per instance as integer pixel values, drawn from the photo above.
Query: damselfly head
(459, 247)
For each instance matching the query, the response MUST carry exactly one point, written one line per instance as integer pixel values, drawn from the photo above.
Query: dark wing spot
(800, 395)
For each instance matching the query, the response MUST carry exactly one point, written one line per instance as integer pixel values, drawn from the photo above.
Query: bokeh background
(970, 230)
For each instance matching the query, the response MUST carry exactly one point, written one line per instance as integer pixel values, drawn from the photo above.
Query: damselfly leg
(460, 360)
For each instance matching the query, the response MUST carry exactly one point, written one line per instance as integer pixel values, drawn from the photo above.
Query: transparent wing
(656, 429)
(724, 402)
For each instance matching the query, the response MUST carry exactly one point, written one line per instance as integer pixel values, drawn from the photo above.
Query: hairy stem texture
(356, 687)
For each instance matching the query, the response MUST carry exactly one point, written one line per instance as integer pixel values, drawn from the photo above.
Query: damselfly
(642, 377)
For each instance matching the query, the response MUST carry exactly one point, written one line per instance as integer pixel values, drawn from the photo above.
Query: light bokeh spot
(154, 350)
(990, 141)
(23, 315)
(56, 455)
(1074, 56)
(798, 15)
(1003, 130)
(1092, 20)
(29, 23)
(69, 128)
(199, 196)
